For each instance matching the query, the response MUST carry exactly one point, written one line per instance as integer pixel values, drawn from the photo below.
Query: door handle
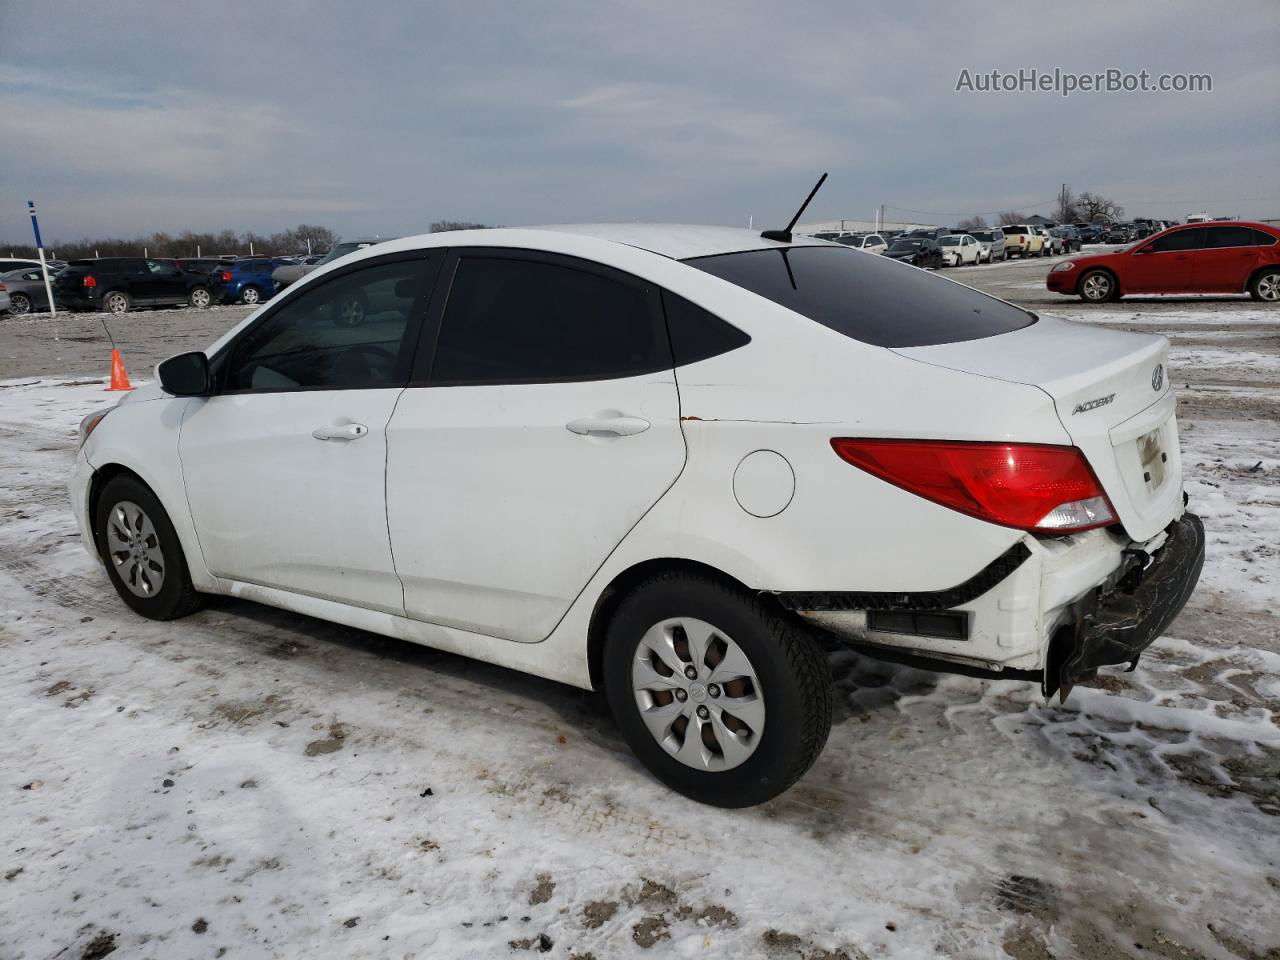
(347, 431)
(610, 426)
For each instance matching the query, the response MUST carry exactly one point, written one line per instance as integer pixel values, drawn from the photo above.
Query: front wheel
(141, 551)
(1266, 286)
(1097, 286)
(199, 298)
(719, 695)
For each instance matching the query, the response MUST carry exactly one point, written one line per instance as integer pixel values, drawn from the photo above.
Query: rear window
(872, 299)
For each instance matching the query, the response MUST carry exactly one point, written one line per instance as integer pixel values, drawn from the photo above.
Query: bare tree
(1094, 206)
(973, 223)
(441, 226)
(1011, 216)
(188, 243)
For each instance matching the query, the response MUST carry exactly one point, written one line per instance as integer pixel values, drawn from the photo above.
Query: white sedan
(959, 249)
(671, 463)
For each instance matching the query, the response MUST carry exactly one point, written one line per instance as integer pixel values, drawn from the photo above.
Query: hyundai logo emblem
(1157, 377)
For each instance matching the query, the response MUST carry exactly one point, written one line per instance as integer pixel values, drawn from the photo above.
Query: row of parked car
(938, 247)
(118, 284)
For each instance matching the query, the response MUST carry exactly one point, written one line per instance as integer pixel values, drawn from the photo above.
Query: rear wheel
(116, 301)
(141, 551)
(722, 698)
(250, 295)
(1266, 285)
(19, 303)
(199, 298)
(1097, 286)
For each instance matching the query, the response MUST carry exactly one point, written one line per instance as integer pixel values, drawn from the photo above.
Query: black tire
(1265, 285)
(200, 298)
(251, 295)
(795, 685)
(1104, 290)
(19, 303)
(116, 302)
(176, 597)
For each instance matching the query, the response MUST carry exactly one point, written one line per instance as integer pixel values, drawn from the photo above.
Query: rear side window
(697, 334)
(1230, 237)
(1263, 239)
(512, 320)
(872, 299)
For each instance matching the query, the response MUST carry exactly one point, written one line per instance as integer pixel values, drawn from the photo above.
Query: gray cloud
(130, 116)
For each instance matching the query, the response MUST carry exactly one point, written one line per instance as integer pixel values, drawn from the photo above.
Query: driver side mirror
(186, 375)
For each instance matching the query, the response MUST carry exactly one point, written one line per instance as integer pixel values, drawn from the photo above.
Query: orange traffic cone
(119, 379)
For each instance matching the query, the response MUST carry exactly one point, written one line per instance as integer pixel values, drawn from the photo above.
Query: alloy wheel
(200, 298)
(250, 295)
(350, 312)
(1269, 287)
(1097, 287)
(134, 548)
(19, 303)
(116, 303)
(698, 694)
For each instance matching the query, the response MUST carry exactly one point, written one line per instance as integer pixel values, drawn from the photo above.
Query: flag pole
(44, 267)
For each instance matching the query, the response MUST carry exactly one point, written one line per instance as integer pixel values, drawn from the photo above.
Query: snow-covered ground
(252, 783)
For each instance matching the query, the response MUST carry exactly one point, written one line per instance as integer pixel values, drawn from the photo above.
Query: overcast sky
(126, 117)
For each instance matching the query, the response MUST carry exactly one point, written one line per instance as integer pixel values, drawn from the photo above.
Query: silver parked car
(293, 272)
(25, 291)
(991, 245)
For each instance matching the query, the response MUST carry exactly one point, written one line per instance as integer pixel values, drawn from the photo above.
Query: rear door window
(512, 319)
(871, 299)
(1230, 237)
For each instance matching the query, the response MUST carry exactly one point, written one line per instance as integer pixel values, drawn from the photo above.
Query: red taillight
(226, 276)
(90, 280)
(1031, 486)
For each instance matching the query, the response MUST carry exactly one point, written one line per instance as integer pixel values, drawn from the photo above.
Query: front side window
(347, 332)
(1178, 240)
(872, 299)
(514, 320)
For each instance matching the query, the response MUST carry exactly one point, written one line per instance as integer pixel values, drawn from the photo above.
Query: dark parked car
(245, 281)
(917, 251)
(933, 233)
(116, 284)
(203, 265)
(26, 291)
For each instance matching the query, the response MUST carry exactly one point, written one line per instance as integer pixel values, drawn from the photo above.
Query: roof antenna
(784, 236)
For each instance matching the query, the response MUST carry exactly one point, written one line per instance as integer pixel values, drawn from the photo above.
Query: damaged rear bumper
(1117, 626)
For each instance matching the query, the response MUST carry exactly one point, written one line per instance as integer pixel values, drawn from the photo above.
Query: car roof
(676, 240)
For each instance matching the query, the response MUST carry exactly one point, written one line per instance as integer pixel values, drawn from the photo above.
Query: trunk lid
(1112, 394)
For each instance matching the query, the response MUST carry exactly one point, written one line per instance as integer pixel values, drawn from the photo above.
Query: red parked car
(1225, 257)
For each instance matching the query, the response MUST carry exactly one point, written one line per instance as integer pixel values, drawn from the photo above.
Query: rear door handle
(608, 426)
(347, 431)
